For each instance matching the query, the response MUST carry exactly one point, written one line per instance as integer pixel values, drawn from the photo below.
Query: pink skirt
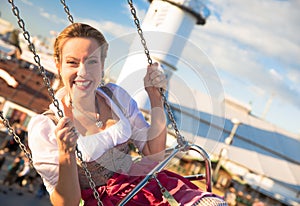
(120, 185)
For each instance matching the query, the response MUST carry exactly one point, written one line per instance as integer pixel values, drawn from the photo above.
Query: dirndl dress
(114, 186)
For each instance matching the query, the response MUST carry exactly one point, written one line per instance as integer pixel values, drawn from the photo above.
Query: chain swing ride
(182, 144)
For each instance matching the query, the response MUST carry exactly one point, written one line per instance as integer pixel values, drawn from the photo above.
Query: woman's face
(81, 66)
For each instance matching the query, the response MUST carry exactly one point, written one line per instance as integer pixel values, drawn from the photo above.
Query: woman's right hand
(66, 135)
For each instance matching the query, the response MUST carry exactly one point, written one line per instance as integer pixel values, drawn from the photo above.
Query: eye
(72, 63)
(92, 61)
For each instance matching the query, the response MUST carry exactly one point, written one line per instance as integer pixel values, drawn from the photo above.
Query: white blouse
(43, 145)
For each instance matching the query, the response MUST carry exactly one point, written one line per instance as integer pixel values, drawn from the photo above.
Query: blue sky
(254, 45)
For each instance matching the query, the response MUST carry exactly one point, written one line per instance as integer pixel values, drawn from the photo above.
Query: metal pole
(228, 142)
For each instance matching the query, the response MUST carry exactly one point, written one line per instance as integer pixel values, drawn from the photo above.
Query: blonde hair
(79, 30)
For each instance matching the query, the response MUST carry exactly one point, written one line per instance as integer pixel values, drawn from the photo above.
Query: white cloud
(270, 27)
(242, 37)
(109, 27)
(52, 17)
(27, 2)
(275, 75)
(140, 13)
(293, 75)
(257, 90)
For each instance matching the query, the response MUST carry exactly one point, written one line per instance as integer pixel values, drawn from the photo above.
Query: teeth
(86, 83)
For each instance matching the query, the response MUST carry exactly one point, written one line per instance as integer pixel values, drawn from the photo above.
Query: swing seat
(208, 200)
(157, 187)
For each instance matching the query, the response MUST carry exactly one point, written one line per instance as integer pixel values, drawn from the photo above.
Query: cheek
(67, 75)
(96, 71)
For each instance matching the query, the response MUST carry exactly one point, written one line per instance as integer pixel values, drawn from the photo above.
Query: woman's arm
(67, 190)
(53, 160)
(156, 141)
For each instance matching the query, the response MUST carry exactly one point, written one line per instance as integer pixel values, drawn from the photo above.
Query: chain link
(89, 177)
(46, 80)
(139, 30)
(67, 10)
(16, 137)
(180, 139)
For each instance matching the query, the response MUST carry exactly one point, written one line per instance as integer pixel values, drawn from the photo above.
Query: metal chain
(89, 176)
(78, 152)
(67, 10)
(21, 23)
(139, 30)
(180, 139)
(26, 35)
(36, 57)
(31, 46)
(16, 137)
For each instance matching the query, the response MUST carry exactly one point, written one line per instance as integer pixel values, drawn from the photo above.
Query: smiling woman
(99, 123)
(102, 126)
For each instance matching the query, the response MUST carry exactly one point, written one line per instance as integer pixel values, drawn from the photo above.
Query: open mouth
(82, 84)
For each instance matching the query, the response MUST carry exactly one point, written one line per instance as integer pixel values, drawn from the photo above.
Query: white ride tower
(164, 21)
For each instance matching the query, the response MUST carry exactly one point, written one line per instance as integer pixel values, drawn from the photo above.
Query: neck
(84, 106)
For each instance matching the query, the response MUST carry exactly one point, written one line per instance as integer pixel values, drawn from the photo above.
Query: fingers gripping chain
(46, 80)
(180, 139)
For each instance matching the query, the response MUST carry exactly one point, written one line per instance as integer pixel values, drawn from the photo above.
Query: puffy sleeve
(139, 125)
(43, 146)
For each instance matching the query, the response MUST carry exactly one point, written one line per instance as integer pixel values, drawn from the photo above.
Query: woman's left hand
(154, 80)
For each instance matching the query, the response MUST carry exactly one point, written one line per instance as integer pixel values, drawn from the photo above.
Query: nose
(82, 70)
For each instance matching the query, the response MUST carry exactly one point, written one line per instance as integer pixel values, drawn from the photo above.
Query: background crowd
(16, 173)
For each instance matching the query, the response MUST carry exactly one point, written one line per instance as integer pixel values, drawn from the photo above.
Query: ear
(57, 64)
